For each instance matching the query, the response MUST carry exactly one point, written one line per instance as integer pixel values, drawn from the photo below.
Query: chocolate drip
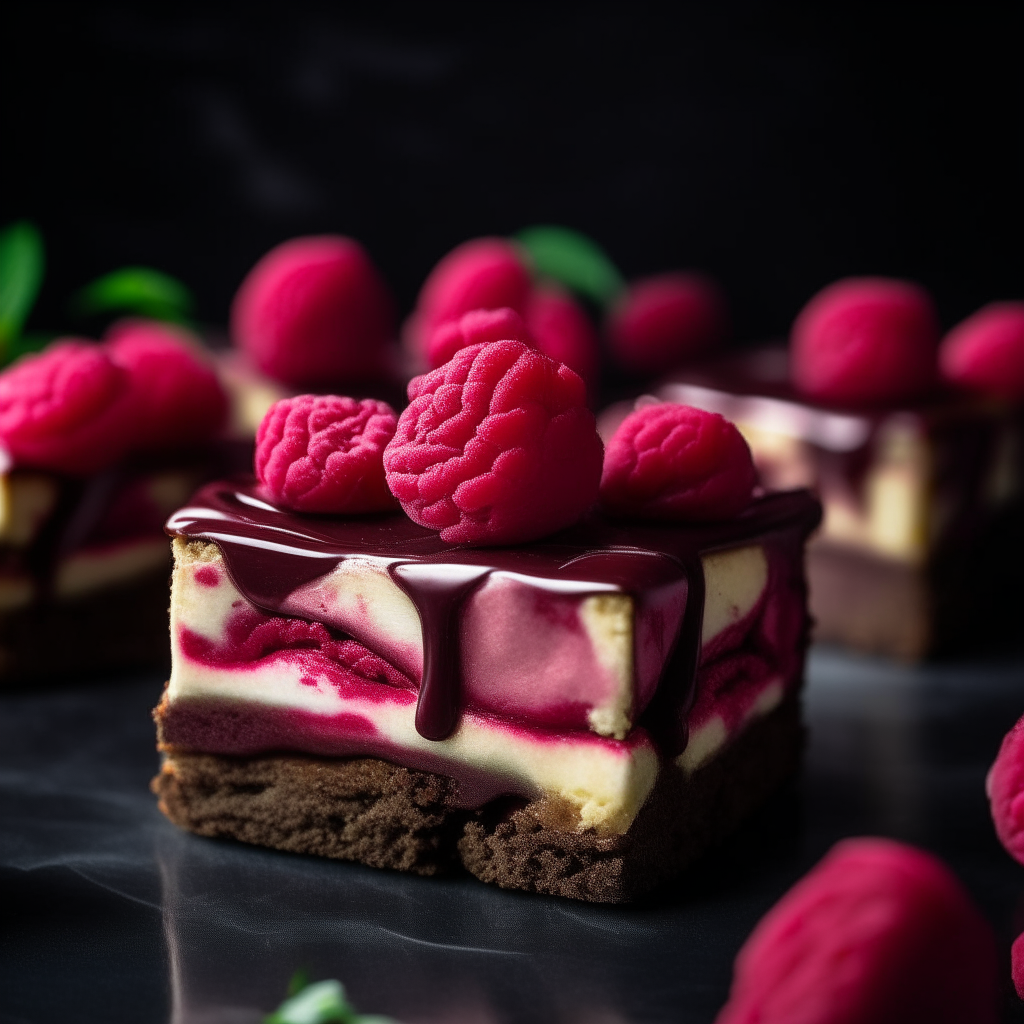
(665, 716)
(269, 553)
(437, 591)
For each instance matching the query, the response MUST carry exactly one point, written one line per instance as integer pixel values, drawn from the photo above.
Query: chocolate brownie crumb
(358, 809)
(377, 813)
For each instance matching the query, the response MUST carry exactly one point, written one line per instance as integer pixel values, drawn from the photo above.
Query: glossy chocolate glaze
(269, 553)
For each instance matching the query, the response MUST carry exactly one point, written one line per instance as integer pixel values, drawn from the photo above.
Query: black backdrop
(777, 147)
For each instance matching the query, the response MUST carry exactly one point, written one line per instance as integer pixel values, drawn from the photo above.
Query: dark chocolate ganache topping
(270, 552)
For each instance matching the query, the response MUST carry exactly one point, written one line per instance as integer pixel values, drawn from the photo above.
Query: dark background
(775, 146)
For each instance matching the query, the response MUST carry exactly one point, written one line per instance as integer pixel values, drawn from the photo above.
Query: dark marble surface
(110, 914)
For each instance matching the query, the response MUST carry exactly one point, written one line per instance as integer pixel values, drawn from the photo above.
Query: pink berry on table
(315, 311)
(877, 933)
(865, 340)
(676, 463)
(985, 353)
(660, 322)
(496, 447)
(1005, 789)
(325, 453)
(483, 273)
(180, 397)
(563, 330)
(1017, 965)
(477, 327)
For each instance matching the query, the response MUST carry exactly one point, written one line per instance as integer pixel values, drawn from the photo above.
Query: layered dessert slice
(920, 548)
(580, 715)
(98, 444)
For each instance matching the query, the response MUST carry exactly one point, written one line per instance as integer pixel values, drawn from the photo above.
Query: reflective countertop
(111, 914)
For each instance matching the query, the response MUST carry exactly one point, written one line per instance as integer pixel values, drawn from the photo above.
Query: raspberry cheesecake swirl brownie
(568, 674)
(99, 442)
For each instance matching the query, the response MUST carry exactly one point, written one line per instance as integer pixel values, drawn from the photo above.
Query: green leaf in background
(139, 290)
(572, 259)
(322, 1003)
(21, 273)
(297, 982)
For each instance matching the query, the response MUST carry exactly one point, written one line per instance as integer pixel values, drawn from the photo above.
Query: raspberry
(1017, 965)
(675, 462)
(563, 330)
(865, 340)
(314, 311)
(985, 353)
(484, 273)
(662, 321)
(877, 933)
(477, 327)
(1005, 789)
(180, 397)
(496, 447)
(69, 409)
(324, 453)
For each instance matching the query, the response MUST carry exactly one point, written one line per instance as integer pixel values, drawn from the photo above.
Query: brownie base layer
(112, 629)
(371, 811)
(868, 603)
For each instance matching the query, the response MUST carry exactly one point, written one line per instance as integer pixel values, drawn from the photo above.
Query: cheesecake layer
(565, 670)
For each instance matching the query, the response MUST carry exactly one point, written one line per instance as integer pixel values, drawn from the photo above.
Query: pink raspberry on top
(180, 397)
(1005, 789)
(483, 273)
(496, 447)
(985, 353)
(674, 462)
(865, 340)
(314, 311)
(563, 330)
(877, 933)
(70, 409)
(478, 327)
(660, 322)
(324, 453)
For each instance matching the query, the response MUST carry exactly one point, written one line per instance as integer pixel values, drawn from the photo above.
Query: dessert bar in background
(99, 444)
(915, 448)
(921, 548)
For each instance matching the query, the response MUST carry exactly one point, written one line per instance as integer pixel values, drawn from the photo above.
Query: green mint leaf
(297, 982)
(321, 1003)
(22, 263)
(572, 259)
(140, 290)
